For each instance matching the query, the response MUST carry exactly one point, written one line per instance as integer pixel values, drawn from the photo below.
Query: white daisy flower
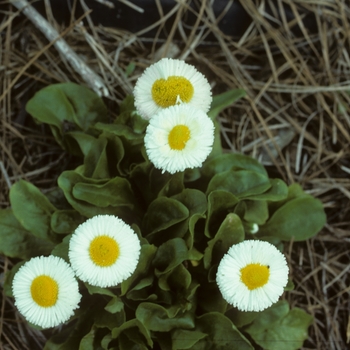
(169, 82)
(178, 138)
(104, 251)
(252, 275)
(46, 291)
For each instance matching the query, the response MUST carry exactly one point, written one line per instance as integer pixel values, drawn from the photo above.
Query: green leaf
(135, 331)
(185, 339)
(114, 306)
(194, 200)
(61, 249)
(241, 318)
(147, 254)
(17, 242)
(300, 219)
(163, 213)
(156, 318)
(277, 192)
(32, 209)
(87, 342)
(256, 212)
(176, 279)
(91, 193)
(143, 290)
(166, 185)
(68, 102)
(9, 275)
(224, 100)
(242, 183)
(278, 327)
(222, 333)
(170, 254)
(65, 221)
(230, 232)
(231, 161)
(115, 192)
(96, 161)
(219, 204)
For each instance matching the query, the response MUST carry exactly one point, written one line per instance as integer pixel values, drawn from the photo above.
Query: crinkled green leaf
(234, 161)
(121, 130)
(301, 218)
(96, 162)
(242, 183)
(92, 192)
(278, 327)
(32, 209)
(115, 192)
(185, 339)
(87, 342)
(17, 242)
(69, 102)
(128, 116)
(277, 192)
(230, 232)
(65, 221)
(170, 254)
(164, 212)
(241, 318)
(99, 290)
(159, 319)
(219, 203)
(143, 290)
(194, 200)
(178, 278)
(222, 333)
(135, 331)
(61, 249)
(147, 254)
(172, 185)
(78, 142)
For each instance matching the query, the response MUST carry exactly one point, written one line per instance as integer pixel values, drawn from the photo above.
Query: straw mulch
(295, 119)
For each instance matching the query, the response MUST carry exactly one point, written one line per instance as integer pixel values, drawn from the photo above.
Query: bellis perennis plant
(156, 238)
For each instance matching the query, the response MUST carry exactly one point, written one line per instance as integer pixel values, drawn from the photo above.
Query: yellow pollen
(44, 291)
(171, 91)
(104, 251)
(178, 136)
(255, 275)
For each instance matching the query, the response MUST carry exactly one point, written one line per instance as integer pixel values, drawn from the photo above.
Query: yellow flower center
(171, 91)
(255, 275)
(178, 136)
(104, 251)
(44, 291)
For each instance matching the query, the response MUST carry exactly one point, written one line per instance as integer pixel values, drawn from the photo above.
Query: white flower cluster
(175, 97)
(103, 251)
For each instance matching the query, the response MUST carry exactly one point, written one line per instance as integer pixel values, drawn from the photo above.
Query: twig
(90, 77)
(4, 172)
(106, 3)
(133, 6)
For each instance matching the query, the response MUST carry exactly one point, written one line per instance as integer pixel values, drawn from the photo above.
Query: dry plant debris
(295, 119)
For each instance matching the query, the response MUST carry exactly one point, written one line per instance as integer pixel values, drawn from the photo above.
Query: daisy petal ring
(252, 275)
(178, 138)
(169, 82)
(104, 251)
(46, 291)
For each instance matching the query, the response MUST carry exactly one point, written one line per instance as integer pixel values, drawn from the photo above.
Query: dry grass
(295, 119)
